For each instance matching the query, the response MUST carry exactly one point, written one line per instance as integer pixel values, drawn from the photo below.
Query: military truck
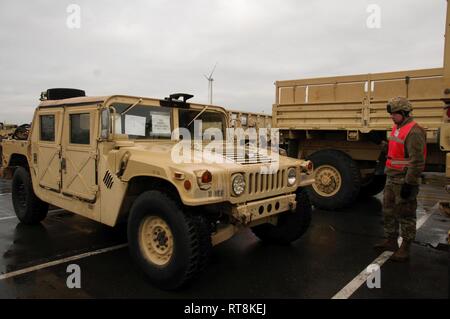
(341, 124)
(6, 129)
(111, 159)
(247, 120)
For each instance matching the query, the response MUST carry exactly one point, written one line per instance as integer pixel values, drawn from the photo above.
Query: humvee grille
(260, 183)
(250, 159)
(108, 180)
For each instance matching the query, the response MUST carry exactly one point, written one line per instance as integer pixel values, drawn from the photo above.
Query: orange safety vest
(396, 151)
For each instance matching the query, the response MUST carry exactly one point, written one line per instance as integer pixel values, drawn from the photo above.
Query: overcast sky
(155, 47)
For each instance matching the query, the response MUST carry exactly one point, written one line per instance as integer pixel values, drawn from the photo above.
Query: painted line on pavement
(7, 217)
(60, 261)
(359, 280)
(50, 211)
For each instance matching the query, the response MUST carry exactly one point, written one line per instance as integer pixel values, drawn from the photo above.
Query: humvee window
(143, 121)
(209, 119)
(47, 128)
(80, 128)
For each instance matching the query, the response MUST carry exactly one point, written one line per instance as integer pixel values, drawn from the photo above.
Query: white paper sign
(161, 124)
(135, 125)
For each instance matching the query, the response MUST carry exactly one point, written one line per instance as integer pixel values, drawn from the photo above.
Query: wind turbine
(210, 84)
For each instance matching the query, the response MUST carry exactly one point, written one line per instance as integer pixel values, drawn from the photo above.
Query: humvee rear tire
(374, 186)
(28, 207)
(290, 226)
(338, 180)
(170, 246)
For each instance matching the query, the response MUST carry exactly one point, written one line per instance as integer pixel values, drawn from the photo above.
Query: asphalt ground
(330, 260)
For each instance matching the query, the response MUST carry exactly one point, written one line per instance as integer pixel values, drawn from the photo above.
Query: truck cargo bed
(358, 102)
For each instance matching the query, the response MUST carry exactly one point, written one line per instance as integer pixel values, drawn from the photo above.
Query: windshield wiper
(197, 116)
(130, 107)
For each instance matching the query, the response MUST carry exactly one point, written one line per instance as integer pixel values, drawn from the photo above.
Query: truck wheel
(169, 245)
(373, 186)
(291, 225)
(28, 207)
(338, 180)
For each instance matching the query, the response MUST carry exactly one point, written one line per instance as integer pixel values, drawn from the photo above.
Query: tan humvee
(110, 159)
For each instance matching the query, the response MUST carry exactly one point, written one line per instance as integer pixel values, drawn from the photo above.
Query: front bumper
(253, 211)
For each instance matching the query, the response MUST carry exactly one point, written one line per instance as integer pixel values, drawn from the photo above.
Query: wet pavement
(336, 248)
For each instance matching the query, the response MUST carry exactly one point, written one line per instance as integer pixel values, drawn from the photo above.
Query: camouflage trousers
(399, 213)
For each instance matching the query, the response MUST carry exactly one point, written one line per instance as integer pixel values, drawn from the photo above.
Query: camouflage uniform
(398, 211)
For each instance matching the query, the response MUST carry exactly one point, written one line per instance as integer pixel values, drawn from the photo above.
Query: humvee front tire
(290, 226)
(28, 207)
(170, 246)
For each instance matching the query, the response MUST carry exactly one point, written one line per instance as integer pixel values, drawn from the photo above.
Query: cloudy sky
(156, 47)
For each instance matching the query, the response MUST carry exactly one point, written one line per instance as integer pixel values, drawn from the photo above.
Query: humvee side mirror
(105, 124)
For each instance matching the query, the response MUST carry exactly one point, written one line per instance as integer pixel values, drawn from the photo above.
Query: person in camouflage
(404, 165)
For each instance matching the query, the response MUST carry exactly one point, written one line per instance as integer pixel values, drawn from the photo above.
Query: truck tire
(338, 180)
(374, 186)
(170, 246)
(28, 207)
(291, 225)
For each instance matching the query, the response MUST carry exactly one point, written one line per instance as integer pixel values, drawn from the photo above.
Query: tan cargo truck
(341, 124)
(111, 159)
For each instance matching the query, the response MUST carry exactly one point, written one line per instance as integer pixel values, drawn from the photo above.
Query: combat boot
(390, 244)
(402, 254)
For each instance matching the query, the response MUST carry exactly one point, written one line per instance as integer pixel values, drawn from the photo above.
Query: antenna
(210, 84)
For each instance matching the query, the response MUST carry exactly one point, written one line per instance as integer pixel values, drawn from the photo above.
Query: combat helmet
(399, 104)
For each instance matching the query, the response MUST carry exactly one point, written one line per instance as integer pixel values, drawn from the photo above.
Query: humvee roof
(77, 101)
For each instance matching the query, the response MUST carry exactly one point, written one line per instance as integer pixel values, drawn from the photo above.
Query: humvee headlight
(238, 184)
(292, 176)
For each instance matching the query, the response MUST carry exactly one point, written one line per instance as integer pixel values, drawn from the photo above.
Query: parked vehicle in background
(247, 120)
(341, 124)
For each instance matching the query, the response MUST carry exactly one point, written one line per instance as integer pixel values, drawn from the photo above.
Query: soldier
(404, 165)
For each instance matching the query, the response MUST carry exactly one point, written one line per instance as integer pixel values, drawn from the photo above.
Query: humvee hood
(204, 155)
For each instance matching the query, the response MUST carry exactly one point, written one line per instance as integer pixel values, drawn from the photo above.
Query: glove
(406, 190)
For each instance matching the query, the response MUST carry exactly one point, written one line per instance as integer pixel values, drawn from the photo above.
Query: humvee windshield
(209, 120)
(154, 122)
